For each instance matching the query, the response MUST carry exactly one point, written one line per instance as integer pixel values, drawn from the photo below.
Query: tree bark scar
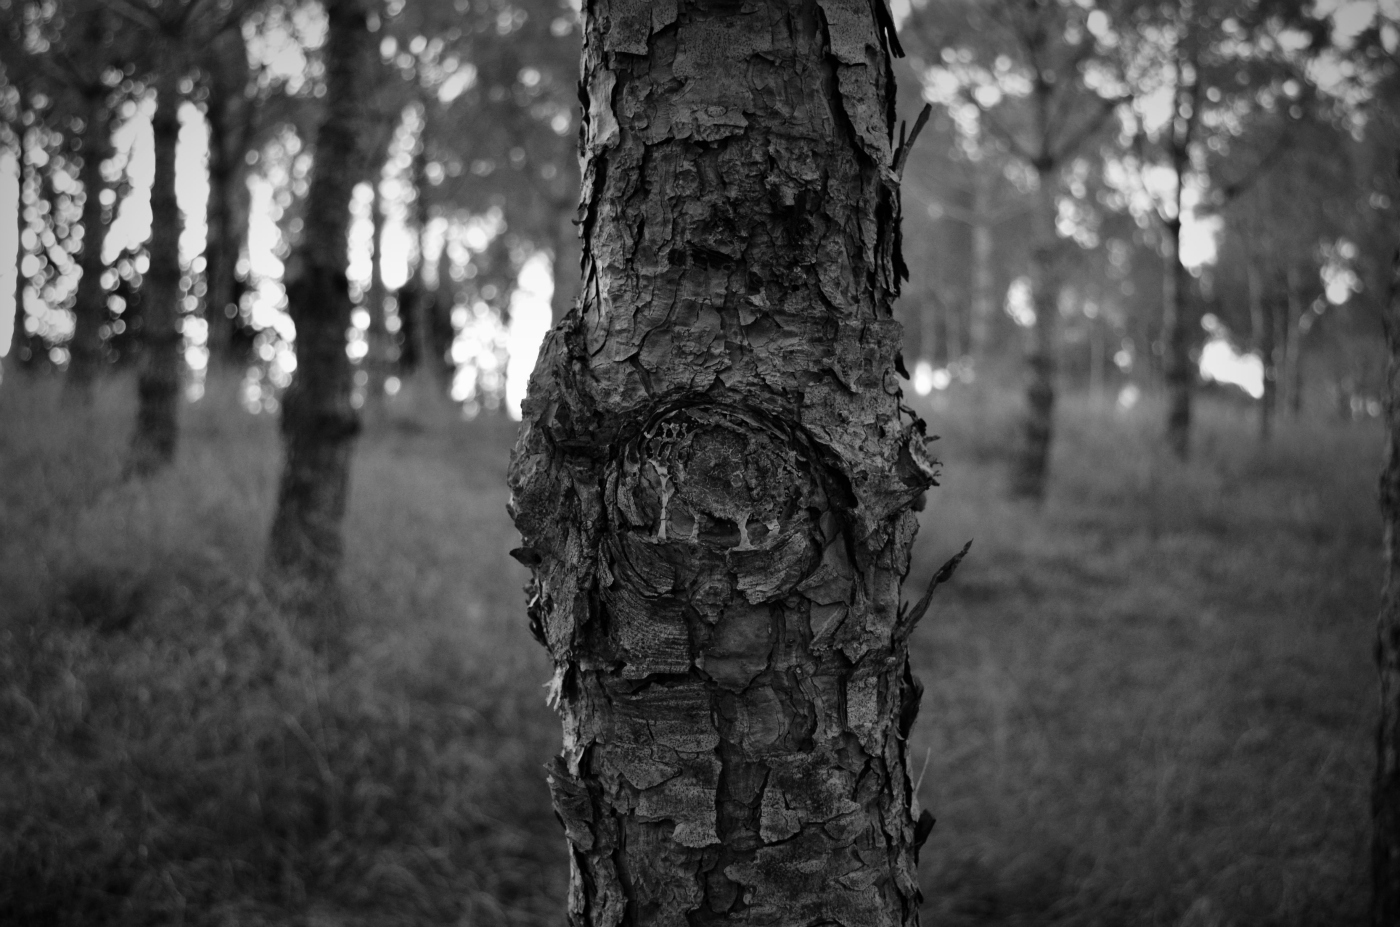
(714, 482)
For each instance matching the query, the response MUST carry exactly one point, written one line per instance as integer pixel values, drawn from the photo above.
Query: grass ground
(1149, 701)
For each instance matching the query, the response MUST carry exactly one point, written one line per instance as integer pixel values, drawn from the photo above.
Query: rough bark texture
(90, 301)
(1385, 794)
(1033, 464)
(158, 382)
(319, 421)
(715, 483)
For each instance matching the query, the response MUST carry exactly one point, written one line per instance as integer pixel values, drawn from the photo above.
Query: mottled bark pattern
(1385, 794)
(90, 301)
(158, 383)
(319, 422)
(714, 481)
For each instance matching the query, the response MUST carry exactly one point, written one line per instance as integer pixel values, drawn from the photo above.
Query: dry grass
(1149, 701)
(174, 749)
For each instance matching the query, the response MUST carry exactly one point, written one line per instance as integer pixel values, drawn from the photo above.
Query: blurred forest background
(1148, 245)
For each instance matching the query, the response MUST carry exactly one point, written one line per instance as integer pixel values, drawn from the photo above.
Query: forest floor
(1149, 701)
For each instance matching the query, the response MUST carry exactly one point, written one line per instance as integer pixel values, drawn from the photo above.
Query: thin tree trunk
(1098, 359)
(1029, 477)
(230, 131)
(1261, 321)
(222, 245)
(1176, 338)
(714, 484)
(377, 335)
(983, 299)
(90, 302)
(1268, 353)
(1385, 794)
(158, 383)
(431, 377)
(319, 421)
(19, 334)
(1291, 376)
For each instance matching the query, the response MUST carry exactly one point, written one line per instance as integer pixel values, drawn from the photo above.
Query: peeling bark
(714, 483)
(158, 382)
(90, 301)
(1385, 792)
(319, 421)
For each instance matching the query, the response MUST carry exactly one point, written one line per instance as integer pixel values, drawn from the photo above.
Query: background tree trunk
(19, 336)
(1038, 425)
(714, 483)
(419, 299)
(377, 361)
(1176, 345)
(319, 422)
(1290, 371)
(1261, 319)
(90, 301)
(228, 195)
(1385, 795)
(983, 298)
(158, 383)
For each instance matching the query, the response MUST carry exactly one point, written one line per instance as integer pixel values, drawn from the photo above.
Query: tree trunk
(90, 302)
(158, 382)
(1291, 371)
(19, 335)
(983, 298)
(1261, 321)
(1268, 354)
(319, 421)
(1098, 359)
(431, 376)
(377, 335)
(714, 484)
(1029, 477)
(1385, 794)
(227, 209)
(1176, 341)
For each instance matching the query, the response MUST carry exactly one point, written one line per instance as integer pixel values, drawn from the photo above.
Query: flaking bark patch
(715, 479)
